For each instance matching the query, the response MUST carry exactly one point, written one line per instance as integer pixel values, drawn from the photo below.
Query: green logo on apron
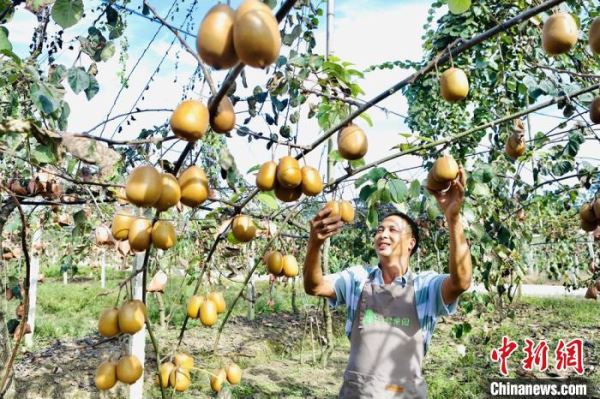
(370, 317)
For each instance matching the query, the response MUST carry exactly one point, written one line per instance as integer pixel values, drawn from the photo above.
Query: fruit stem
(156, 351)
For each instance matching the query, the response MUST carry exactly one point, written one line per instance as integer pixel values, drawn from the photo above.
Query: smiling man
(391, 311)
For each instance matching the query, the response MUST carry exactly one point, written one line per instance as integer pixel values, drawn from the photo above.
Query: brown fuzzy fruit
(182, 359)
(170, 192)
(289, 174)
(143, 186)
(140, 234)
(190, 120)
(234, 374)
(120, 225)
(194, 186)
(129, 369)
(346, 211)
(595, 110)
(515, 146)
(454, 85)
(180, 379)
(587, 226)
(193, 306)
(560, 33)
(256, 36)
(335, 208)
(265, 179)
(243, 228)
(287, 194)
(223, 120)
(106, 375)
(215, 38)
(594, 36)
(275, 263)
(352, 142)
(290, 266)
(208, 313)
(592, 292)
(163, 235)
(444, 169)
(219, 300)
(596, 208)
(434, 185)
(587, 213)
(311, 181)
(217, 379)
(108, 324)
(165, 371)
(132, 315)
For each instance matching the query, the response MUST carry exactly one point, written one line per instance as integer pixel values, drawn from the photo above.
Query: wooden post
(137, 340)
(33, 282)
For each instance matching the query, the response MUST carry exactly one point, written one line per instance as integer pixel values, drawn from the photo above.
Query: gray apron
(386, 345)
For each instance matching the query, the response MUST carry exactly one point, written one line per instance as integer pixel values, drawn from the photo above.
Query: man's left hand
(451, 200)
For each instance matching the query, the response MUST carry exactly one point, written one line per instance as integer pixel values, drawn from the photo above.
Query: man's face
(393, 238)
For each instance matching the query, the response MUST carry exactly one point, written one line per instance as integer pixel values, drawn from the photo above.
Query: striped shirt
(349, 283)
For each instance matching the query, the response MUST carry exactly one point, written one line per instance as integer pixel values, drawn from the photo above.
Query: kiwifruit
(287, 194)
(217, 379)
(265, 179)
(434, 185)
(190, 120)
(275, 262)
(335, 208)
(587, 226)
(352, 142)
(163, 235)
(560, 33)
(180, 379)
(594, 36)
(311, 181)
(454, 85)
(132, 316)
(592, 292)
(170, 192)
(595, 110)
(165, 371)
(596, 208)
(444, 169)
(587, 213)
(346, 211)
(194, 186)
(140, 234)
(120, 225)
(256, 36)
(182, 359)
(234, 374)
(215, 37)
(193, 306)
(223, 120)
(515, 146)
(289, 266)
(108, 324)
(219, 300)
(208, 312)
(289, 174)
(106, 375)
(143, 186)
(243, 228)
(129, 369)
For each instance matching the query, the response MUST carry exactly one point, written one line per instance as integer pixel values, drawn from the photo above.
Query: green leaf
(254, 168)
(335, 156)
(78, 79)
(398, 190)
(367, 118)
(373, 175)
(92, 88)
(43, 154)
(357, 163)
(459, 6)
(67, 13)
(45, 98)
(415, 189)
(108, 51)
(36, 5)
(268, 199)
(372, 218)
(4, 42)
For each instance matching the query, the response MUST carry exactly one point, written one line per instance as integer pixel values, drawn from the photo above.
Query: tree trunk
(251, 287)
(161, 309)
(294, 297)
(33, 283)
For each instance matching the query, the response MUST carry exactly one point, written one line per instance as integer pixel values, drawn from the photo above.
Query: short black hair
(414, 228)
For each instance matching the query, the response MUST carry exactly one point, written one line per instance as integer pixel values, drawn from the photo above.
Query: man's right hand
(323, 225)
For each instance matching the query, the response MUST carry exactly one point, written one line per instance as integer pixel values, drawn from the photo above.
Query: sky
(365, 32)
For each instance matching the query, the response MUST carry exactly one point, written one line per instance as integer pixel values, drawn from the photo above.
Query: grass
(269, 348)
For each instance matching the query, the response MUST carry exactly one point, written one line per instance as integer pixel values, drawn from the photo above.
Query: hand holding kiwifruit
(451, 200)
(325, 224)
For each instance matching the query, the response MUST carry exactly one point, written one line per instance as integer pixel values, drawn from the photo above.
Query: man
(392, 312)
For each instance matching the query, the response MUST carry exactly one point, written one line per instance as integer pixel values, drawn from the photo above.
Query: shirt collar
(376, 275)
